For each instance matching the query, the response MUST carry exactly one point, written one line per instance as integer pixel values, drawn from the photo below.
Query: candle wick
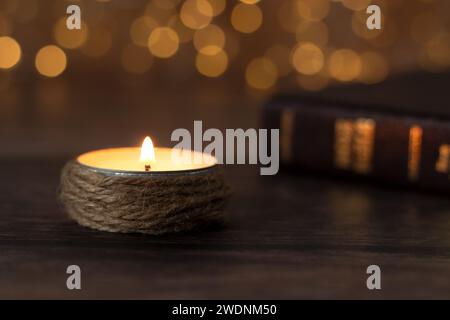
(147, 167)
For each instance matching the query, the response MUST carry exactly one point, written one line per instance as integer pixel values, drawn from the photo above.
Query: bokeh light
(163, 42)
(184, 33)
(260, 41)
(313, 9)
(209, 40)
(344, 65)
(374, 68)
(70, 39)
(141, 28)
(10, 52)
(246, 18)
(307, 58)
(261, 73)
(212, 65)
(218, 6)
(435, 55)
(50, 61)
(196, 14)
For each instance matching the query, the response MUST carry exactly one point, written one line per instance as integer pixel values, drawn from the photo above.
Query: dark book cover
(404, 142)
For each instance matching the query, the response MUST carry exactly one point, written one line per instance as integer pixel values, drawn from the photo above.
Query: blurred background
(143, 67)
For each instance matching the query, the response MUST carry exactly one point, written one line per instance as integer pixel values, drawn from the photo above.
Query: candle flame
(147, 150)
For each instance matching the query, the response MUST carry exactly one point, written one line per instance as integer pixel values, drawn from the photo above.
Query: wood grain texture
(289, 237)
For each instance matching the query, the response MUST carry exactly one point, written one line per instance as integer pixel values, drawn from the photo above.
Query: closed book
(360, 140)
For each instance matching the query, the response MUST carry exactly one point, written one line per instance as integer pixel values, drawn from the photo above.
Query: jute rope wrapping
(151, 204)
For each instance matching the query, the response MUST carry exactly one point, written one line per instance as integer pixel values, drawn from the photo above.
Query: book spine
(353, 142)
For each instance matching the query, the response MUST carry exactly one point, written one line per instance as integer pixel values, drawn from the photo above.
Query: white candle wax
(129, 159)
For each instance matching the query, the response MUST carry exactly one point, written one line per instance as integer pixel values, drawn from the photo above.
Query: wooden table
(290, 236)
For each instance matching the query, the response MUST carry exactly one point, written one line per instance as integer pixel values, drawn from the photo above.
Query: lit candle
(144, 189)
(146, 159)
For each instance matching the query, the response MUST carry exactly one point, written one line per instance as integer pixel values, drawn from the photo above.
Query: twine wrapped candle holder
(153, 202)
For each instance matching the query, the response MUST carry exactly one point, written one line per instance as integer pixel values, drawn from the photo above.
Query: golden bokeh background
(306, 40)
(264, 45)
(146, 67)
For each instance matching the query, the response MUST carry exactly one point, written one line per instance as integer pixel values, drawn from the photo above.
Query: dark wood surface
(290, 236)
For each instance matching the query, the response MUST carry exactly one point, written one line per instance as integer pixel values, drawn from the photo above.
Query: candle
(144, 189)
(146, 159)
